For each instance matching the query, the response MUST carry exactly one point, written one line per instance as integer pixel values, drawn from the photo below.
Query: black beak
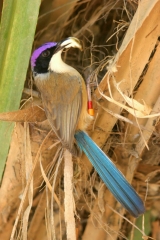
(59, 46)
(71, 41)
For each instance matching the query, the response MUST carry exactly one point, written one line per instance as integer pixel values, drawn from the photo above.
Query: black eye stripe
(42, 61)
(46, 53)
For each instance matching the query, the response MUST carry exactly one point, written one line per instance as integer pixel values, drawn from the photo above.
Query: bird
(64, 97)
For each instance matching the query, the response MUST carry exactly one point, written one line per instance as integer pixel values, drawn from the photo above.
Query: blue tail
(110, 175)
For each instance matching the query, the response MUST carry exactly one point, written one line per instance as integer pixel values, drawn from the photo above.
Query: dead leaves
(31, 114)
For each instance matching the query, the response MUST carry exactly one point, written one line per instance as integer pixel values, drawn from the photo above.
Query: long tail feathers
(111, 176)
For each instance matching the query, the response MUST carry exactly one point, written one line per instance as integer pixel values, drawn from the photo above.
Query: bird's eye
(46, 53)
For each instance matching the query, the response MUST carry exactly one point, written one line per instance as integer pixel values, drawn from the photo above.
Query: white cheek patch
(57, 65)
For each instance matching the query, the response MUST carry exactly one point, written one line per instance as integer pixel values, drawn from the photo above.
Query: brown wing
(62, 100)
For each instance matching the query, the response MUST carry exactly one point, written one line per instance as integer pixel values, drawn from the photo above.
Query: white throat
(57, 65)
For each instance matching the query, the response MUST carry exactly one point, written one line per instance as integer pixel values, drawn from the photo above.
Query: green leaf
(147, 225)
(18, 24)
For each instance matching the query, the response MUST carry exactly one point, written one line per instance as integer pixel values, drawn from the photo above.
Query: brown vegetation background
(121, 58)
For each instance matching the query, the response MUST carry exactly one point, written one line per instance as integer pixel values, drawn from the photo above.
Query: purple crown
(39, 50)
